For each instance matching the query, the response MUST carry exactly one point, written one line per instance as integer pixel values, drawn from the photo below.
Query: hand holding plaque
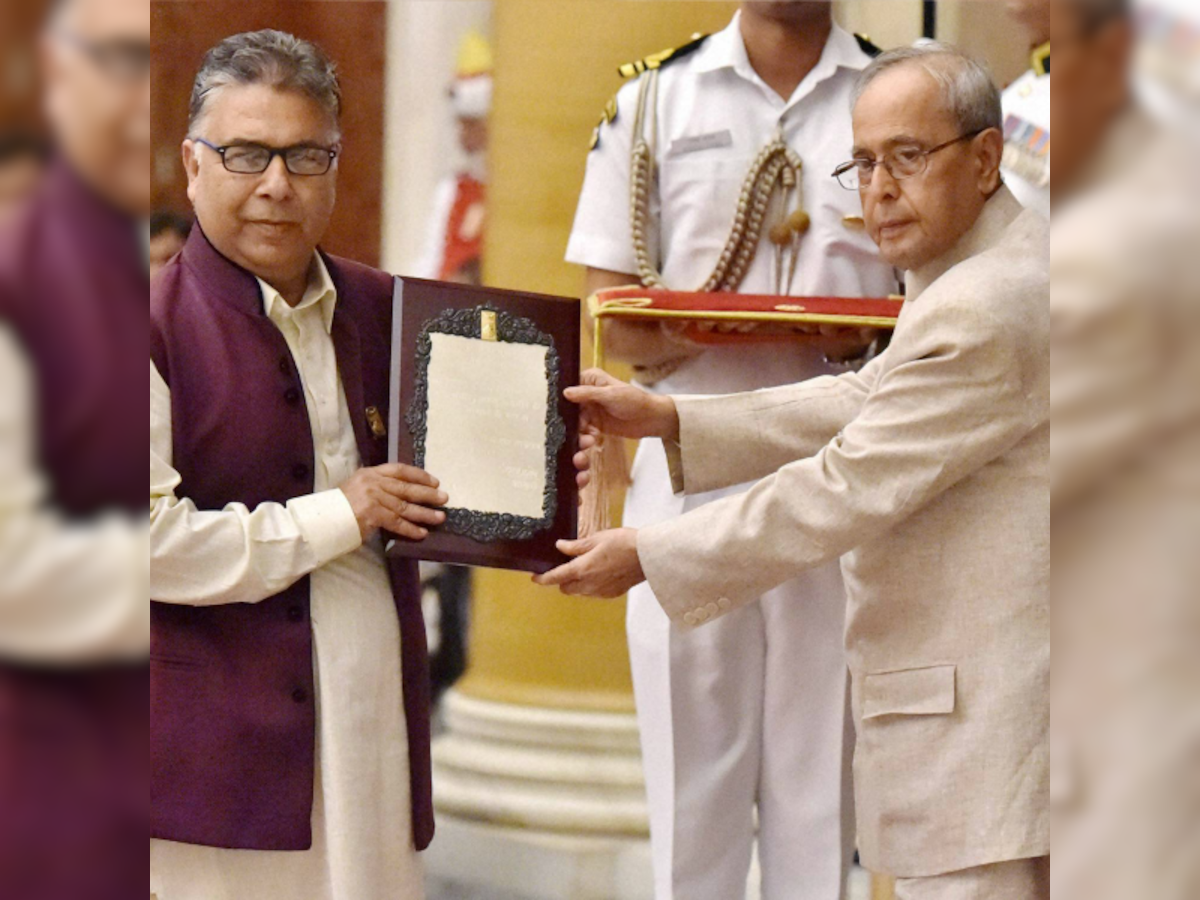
(477, 382)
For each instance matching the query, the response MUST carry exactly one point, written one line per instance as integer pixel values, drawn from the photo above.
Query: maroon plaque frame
(472, 537)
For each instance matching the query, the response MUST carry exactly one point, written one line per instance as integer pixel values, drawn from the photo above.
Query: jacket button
(725, 603)
(296, 613)
(285, 365)
(292, 396)
(299, 471)
(299, 695)
(689, 618)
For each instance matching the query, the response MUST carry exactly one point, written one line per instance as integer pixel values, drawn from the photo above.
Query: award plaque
(477, 382)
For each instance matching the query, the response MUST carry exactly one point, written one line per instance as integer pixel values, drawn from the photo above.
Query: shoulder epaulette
(658, 60)
(868, 46)
(606, 118)
(1040, 60)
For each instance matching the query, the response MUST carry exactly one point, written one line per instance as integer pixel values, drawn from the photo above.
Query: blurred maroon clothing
(232, 730)
(77, 299)
(73, 760)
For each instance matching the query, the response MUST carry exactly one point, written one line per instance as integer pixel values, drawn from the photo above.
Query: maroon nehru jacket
(232, 717)
(73, 781)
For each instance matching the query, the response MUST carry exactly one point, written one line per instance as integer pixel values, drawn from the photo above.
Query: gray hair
(268, 57)
(970, 94)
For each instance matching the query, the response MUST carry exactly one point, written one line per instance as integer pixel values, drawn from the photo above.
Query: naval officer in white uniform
(751, 711)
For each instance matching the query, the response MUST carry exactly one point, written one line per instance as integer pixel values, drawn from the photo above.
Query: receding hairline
(966, 88)
(945, 61)
(909, 66)
(918, 64)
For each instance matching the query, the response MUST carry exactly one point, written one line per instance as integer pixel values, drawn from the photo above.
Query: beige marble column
(538, 778)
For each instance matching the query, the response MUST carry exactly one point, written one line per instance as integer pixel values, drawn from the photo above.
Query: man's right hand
(397, 498)
(613, 407)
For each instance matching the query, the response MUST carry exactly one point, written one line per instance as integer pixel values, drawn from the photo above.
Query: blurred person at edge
(289, 719)
(1125, 327)
(455, 248)
(1167, 67)
(73, 611)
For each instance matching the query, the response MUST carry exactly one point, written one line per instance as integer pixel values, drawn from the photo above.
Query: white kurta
(362, 823)
(69, 592)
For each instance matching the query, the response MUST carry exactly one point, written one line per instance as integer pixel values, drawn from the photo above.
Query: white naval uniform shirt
(715, 114)
(1027, 141)
(362, 832)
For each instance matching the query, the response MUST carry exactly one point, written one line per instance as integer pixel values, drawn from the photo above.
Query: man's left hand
(605, 565)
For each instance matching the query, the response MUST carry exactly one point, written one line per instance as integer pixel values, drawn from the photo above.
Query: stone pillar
(538, 778)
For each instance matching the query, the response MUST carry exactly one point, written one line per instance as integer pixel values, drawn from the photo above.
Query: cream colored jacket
(928, 472)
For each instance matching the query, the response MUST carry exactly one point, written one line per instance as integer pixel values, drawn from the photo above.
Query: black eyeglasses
(254, 159)
(901, 163)
(126, 61)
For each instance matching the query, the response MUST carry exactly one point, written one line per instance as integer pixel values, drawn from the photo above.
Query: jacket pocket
(927, 691)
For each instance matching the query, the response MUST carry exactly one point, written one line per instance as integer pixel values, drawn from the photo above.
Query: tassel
(610, 476)
(610, 465)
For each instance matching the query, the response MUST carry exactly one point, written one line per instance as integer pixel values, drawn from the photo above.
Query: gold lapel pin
(375, 420)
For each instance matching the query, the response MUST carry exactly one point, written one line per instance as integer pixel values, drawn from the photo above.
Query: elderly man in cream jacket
(927, 472)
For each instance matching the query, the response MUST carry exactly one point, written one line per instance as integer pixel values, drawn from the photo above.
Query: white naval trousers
(750, 710)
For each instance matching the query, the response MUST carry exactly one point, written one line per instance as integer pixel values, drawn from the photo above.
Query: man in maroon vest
(74, 620)
(289, 678)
